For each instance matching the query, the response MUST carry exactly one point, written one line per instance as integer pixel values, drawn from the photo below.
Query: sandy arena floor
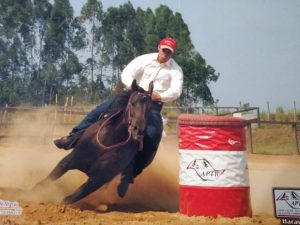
(153, 199)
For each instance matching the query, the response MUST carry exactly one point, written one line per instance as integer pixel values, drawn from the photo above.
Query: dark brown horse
(107, 147)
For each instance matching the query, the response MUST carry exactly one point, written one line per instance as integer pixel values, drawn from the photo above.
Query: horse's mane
(122, 98)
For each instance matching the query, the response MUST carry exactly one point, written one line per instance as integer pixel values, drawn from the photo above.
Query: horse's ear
(134, 86)
(150, 89)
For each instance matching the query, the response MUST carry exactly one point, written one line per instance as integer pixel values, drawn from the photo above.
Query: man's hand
(155, 96)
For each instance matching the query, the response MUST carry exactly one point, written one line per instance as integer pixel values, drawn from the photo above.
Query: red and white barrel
(213, 175)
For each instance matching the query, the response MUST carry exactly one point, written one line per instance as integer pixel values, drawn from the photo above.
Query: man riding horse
(167, 77)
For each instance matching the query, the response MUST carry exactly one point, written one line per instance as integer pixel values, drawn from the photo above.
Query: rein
(106, 121)
(103, 125)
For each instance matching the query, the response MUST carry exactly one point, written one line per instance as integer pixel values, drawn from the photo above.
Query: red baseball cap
(168, 43)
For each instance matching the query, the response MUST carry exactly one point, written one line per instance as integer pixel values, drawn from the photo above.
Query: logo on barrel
(205, 170)
(234, 142)
(291, 198)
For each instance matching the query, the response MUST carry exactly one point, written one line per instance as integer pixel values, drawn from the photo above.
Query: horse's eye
(145, 98)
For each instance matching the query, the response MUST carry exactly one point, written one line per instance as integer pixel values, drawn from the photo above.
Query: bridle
(130, 106)
(128, 115)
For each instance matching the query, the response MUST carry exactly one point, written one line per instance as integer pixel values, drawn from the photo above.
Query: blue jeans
(94, 115)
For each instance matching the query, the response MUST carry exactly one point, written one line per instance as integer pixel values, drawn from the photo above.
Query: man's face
(164, 54)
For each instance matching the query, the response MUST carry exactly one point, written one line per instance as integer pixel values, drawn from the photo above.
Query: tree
(41, 46)
(15, 25)
(57, 49)
(148, 23)
(70, 67)
(197, 77)
(92, 15)
(123, 37)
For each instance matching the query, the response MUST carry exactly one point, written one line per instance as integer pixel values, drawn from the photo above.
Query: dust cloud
(28, 155)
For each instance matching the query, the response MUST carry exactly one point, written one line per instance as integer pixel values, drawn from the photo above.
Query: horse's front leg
(91, 185)
(126, 179)
(102, 171)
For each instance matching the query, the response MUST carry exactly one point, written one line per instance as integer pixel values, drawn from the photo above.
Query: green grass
(273, 139)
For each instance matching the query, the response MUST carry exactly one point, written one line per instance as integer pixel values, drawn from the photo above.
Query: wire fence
(45, 123)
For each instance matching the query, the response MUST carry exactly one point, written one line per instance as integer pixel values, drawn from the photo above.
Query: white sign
(10, 208)
(286, 202)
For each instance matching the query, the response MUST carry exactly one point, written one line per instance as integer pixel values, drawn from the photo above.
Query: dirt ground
(152, 199)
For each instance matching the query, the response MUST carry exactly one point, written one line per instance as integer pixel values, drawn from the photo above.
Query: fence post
(258, 116)
(295, 112)
(268, 105)
(55, 116)
(65, 109)
(4, 114)
(55, 109)
(295, 130)
(249, 137)
(71, 106)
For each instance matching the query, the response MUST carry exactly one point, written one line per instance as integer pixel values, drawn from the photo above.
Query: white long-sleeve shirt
(167, 77)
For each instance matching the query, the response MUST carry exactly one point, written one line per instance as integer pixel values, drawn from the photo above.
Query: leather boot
(68, 142)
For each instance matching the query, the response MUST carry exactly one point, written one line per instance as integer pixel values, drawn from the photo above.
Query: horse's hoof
(67, 201)
(122, 189)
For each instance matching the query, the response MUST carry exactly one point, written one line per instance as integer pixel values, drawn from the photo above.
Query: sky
(253, 44)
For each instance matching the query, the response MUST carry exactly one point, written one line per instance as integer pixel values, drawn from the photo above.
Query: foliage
(273, 140)
(280, 115)
(45, 51)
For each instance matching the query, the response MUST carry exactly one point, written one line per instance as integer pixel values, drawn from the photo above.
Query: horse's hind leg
(61, 168)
